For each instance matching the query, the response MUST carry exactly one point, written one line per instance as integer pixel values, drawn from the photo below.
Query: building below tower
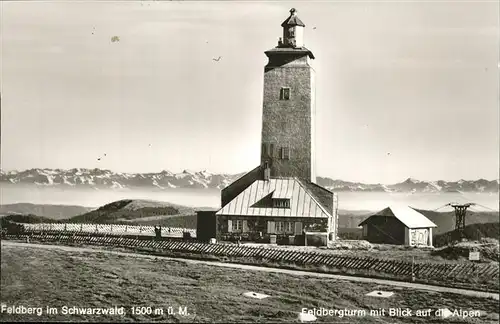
(279, 201)
(258, 208)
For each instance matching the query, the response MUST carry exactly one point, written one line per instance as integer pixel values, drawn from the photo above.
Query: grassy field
(450, 254)
(39, 278)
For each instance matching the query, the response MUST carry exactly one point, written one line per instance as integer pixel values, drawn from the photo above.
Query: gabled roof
(406, 215)
(240, 184)
(293, 20)
(322, 195)
(302, 202)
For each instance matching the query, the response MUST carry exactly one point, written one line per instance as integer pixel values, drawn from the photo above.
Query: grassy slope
(210, 294)
(472, 232)
(132, 211)
(29, 219)
(50, 211)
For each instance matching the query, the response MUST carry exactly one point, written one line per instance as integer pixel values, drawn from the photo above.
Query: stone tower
(289, 106)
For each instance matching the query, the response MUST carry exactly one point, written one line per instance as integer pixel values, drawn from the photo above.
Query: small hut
(401, 225)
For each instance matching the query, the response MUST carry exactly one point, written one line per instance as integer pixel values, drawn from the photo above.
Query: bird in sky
(217, 59)
(98, 159)
(314, 27)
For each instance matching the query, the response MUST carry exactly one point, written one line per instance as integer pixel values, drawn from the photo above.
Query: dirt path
(465, 292)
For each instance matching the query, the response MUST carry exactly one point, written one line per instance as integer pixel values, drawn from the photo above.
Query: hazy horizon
(404, 89)
(199, 198)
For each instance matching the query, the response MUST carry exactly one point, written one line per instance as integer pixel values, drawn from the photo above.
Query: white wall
(418, 237)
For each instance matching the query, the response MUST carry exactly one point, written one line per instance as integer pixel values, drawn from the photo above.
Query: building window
(285, 153)
(279, 227)
(284, 227)
(285, 94)
(268, 149)
(237, 225)
(281, 203)
(291, 32)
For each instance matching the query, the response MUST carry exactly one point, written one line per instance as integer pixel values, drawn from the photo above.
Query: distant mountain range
(106, 179)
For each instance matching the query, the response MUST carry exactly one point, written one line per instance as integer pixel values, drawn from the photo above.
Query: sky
(404, 89)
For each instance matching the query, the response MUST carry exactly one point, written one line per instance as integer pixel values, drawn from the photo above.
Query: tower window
(285, 153)
(285, 94)
(268, 149)
(291, 32)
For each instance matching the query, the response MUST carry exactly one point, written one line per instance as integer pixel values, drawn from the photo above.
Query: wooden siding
(385, 230)
(258, 229)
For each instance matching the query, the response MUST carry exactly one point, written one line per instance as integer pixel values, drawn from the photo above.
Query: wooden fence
(105, 228)
(437, 272)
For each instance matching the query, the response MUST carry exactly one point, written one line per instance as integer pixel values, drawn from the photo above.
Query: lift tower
(460, 212)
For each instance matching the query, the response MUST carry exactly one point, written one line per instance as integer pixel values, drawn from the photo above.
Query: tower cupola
(293, 31)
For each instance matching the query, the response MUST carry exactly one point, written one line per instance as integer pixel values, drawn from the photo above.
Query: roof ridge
(317, 185)
(240, 177)
(403, 220)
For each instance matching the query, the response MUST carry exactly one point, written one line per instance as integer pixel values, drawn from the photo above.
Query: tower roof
(293, 20)
(288, 50)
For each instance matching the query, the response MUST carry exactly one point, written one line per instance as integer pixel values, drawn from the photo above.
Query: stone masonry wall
(289, 122)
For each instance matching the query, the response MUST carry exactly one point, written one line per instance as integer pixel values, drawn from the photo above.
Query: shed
(400, 225)
(206, 225)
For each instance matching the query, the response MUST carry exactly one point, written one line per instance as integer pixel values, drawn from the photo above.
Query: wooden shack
(400, 225)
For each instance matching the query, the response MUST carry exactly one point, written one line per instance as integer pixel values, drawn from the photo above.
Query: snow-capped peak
(413, 180)
(97, 178)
